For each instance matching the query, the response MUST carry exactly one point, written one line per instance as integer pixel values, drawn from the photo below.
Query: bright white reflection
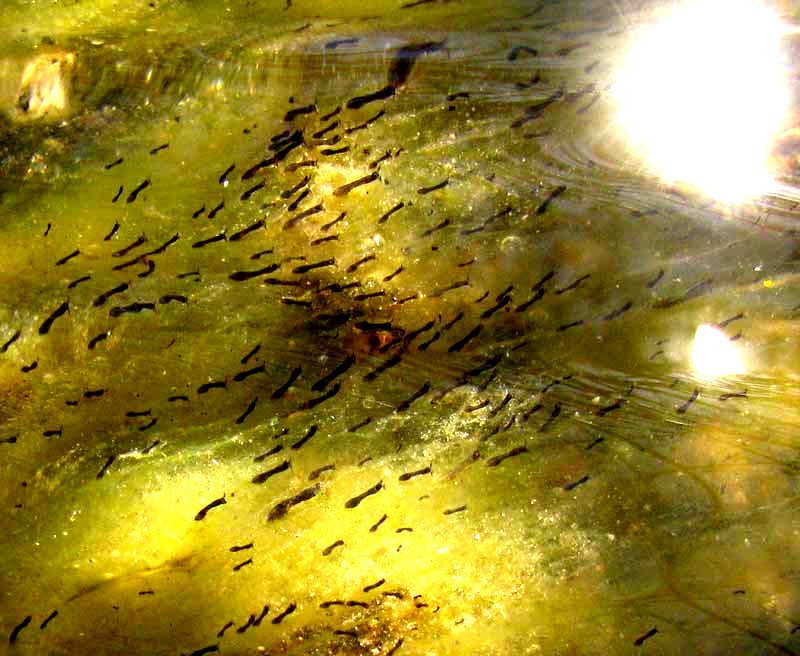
(713, 354)
(703, 91)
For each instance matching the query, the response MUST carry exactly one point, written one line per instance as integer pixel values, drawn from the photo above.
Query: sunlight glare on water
(703, 92)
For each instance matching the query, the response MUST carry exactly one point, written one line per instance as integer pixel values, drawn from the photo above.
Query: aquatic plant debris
(381, 297)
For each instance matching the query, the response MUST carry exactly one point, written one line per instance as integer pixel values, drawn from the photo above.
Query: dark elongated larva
(148, 449)
(309, 434)
(352, 503)
(243, 375)
(352, 634)
(377, 524)
(67, 258)
(419, 472)
(282, 616)
(108, 464)
(298, 111)
(48, 323)
(10, 341)
(640, 640)
(170, 298)
(359, 425)
(501, 405)
(347, 188)
(267, 454)
(250, 407)
(142, 185)
(451, 511)
(293, 376)
(573, 485)
(368, 258)
(573, 285)
(204, 511)
(685, 406)
(360, 101)
(114, 228)
(302, 215)
(505, 300)
(553, 415)
(223, 178)
(555, 193)
(436, 228)
(305, 268)
(236, 236)
(610, 408)
(374, 586)
(733, 395)
(16, 630)
(132, 308)
(389, 213)
(205, 242)
(78, 281)
(247, 275)
(313, 403)
(243, 547)
(335, 151)
(388, 364)
(296, 202)
(323, 382)
(618, 312)
(461, 343)
(263, 614)
(261, 478)
(516, 51)
(571, 324)
(97, 339)
(216, 210)
(440, 185)
(366, 123)
(100, 300)
(327, 551)
(493, 462)
(281, 508)
(314, 475)
(51, 616)
(328, 226)
(736, 317)
(163, 246)
(217, 384)
(251, 353)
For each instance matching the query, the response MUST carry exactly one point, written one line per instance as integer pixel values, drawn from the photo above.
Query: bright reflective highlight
(713, 354)
(703, 92)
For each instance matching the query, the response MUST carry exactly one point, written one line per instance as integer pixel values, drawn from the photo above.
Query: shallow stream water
(348, 328)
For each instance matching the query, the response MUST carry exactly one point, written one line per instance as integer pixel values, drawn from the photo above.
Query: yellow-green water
(624, 508)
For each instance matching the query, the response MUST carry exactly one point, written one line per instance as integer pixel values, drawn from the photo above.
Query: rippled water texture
(347, 328)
